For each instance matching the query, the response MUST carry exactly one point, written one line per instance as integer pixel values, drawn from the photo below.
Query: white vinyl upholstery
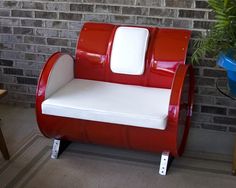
(129, 50)
(62, 72)
(110, 102)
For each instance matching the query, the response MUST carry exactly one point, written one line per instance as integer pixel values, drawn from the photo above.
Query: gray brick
(195, 125)
(214, 127)
(6, 46)
(135, 10)
(177, 3)
(5, 12)
(6, 38)
(68, 34)
(93, 1)
(167, 22)
(56, 24)
(58, 7)
(32, 23)
(9, 22)
(34, 40)
(16, 88)
(149, 21)
(163, 12)
(121, 2)
(202, 4)
(191, 14)
(182, 23)
(107, 9)
(214, 73)
(208, 91)
(47, 32)
(232, 129)
(211, 15)
(29, 56)
(96, 17)
(26, 64)
(82, 7)
(32, 5)
(200, 99)
(12, 55)
(122, 19)
(5, 30)
(196, 108)
(5, 62)
(156, 3)
(13, 71)
(57, 42)
(11, 4)
(73, 43)
(75, 26)
(70, 16)
(23, 30)
(213, 110)
(200, 117)
(225, 120)
(7, 78)
(31, 90)
(22, 13)
(32, 73)
(46, 15)
(27, 80)
(232, 112)
(223, 101)
(24, 47)
(205, 81)
(202, 24)
(35, 57)
(47, 49)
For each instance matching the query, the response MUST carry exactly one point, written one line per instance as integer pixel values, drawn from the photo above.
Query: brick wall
(32, 30)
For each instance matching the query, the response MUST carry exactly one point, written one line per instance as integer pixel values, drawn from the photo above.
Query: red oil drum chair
(127, 87)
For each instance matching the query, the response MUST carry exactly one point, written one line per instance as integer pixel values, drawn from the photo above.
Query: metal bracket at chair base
(58, 147)
(166, 160)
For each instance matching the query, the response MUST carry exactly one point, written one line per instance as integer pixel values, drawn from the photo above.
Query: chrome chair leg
(58, 147)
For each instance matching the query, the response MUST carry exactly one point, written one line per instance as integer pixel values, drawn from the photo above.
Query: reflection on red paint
(164, 68)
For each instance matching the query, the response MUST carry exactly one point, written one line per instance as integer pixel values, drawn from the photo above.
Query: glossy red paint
(167, 49)
(165, 68)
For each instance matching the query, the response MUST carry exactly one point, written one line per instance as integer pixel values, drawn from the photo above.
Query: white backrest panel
(61, 73)
(129, 50)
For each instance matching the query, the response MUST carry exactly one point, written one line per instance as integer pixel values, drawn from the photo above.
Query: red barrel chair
(128, 87)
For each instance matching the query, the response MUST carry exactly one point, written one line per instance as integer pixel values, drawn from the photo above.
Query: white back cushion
(129, 50)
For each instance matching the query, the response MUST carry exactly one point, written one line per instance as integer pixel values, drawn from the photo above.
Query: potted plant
(220, 40)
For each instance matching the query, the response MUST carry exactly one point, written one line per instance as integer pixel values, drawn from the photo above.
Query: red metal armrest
(183, 79)
(47, 76)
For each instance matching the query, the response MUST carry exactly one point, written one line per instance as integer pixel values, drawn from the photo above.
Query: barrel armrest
(181, 104)
(57, 71)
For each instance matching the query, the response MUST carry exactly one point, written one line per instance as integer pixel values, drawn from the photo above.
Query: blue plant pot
(227, 61)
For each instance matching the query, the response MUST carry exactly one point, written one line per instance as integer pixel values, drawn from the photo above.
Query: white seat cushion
(109, 102)
(129, 50)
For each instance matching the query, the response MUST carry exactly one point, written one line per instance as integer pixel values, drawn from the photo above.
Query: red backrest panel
(91, 52)
(166, 50)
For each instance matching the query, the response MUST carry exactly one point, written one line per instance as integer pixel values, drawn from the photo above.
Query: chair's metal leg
(166, 160)
(58, 147)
